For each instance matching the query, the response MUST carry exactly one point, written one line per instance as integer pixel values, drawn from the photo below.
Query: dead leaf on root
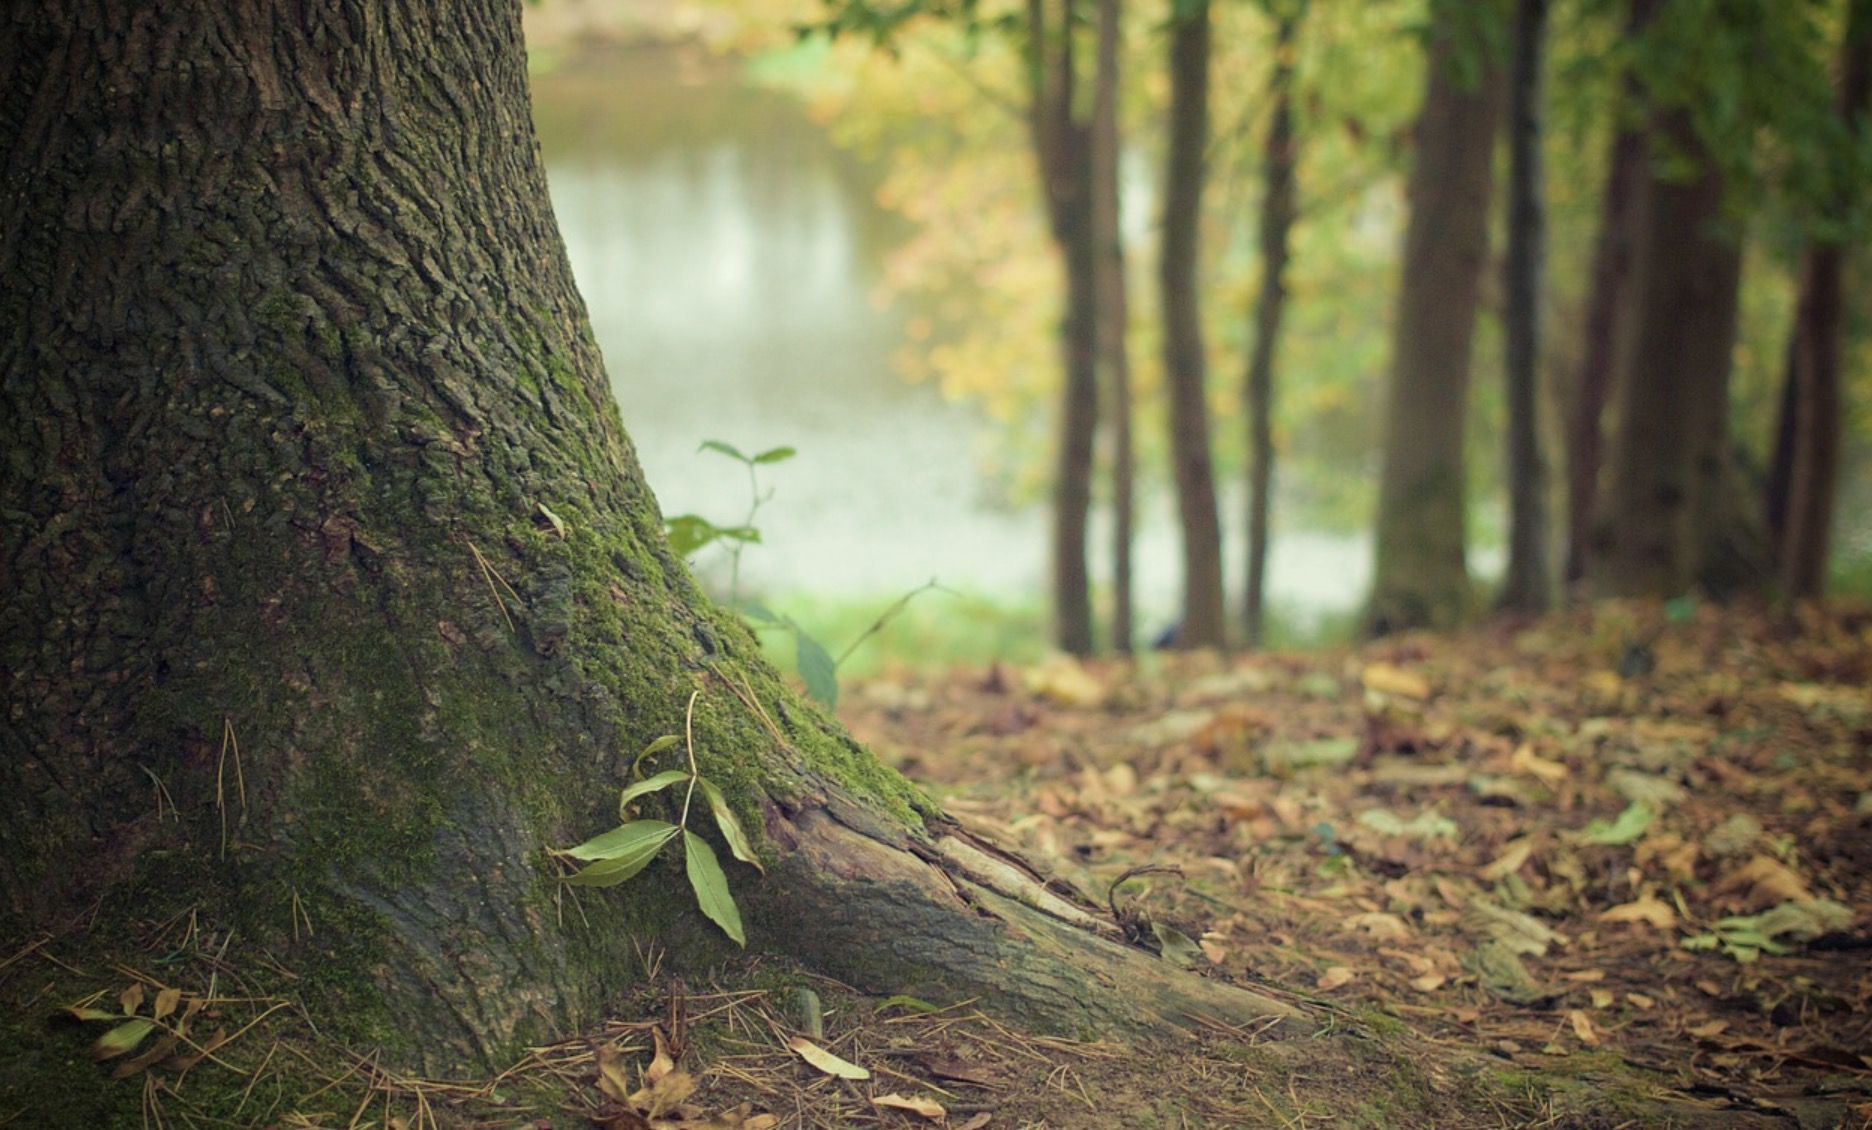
(824, 1060)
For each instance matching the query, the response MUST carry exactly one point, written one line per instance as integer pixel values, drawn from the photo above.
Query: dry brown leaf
(1525, 760)
(824, 1060)
(661, 1063)
(1509, 861)
(663, 1095)
(1379, 926)
(1583, 1027)
(923, 1108)
(1387, 678)
(613, 1078)
(1648, 909)
(1763, 882)
(131, 999)
(1335, 977)
(166, 1001)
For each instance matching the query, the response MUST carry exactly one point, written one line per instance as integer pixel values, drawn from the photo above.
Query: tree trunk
(1114, 318)
(1062, 148)
(1814, 424)
(1665, 509)
(1277, 218)
(1528, 585)
(1185, 368)
(331, 593)
(1421, 577)
(1605, 305)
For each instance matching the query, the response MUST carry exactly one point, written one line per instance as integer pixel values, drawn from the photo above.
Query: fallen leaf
(924, 1108)
(1763, 882)
(1524, 760)
(1509, 861)
(1648, 909)
(1583, 1028)
(1387, 678)
(1336, 977)
(824, 1060)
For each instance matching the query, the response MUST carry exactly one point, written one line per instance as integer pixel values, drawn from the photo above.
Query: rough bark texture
(1062, 149)
(1606, 303)
(1815, 409)
(1528, 585)
(1421, 576)
(1114, 316)
(330, 591)
(1667, 517)
(1277, 218)
(1205, 621)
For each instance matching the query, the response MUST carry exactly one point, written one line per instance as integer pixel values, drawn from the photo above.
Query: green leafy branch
(617, 855)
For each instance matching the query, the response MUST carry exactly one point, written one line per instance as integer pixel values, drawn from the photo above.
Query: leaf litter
(1558, 894)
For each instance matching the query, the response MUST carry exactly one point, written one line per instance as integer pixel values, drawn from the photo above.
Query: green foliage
(615, 856)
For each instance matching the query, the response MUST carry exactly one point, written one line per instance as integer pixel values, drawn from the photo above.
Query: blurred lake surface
(731, 258)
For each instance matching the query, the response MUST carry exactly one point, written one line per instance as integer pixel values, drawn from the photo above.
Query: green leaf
(1630, 826)
(729, 823)
(728, 449)
(622, 840)
(85, 1012)
(654, 748)
(755, 610)
(908, 1004)
(123, 1038)
(689, 532)
(775, 455)
(711, 886)
(648, 785)
(818, 669)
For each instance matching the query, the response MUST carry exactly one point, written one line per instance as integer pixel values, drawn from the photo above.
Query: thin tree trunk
(1113, 317)
(1816, 421)
(1605, 306)
(1528, 585)
(331, 592)
(1185, 368)
(1278, 210)
(1421, 577)
(1668, 470)
(1062, 151)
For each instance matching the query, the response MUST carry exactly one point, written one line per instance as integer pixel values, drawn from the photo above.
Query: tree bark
(1605, 305)
(1205, 622)
(1421, 577)
(331, 593)
(1528, 585)
(1062, 148)
(1667, 510)
(1114, 315)
(1278, 211)
(1815, 408)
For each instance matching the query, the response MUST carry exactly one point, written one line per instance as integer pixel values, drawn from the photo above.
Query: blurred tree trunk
(1205, 621)
(1062, 147)
(1528, 585)
(1605, 305)
(1813, 410)
(1670, 512)
(1113, 316)
(331, 592)
(1421, 577)
(1277, 217)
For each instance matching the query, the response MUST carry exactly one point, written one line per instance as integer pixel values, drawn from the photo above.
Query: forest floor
(1611, 868)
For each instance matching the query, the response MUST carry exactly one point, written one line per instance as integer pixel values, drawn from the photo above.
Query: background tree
(1607, 293)
(1114, 316)
(1528, 585)
(1808, 438)
(1421, 576)
(1205, 620)
(1278, 211)
(322, 527)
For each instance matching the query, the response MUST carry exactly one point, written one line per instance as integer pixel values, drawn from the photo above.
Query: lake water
(730, 257)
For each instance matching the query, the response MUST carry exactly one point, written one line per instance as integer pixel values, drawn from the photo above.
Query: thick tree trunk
(1205, 621)
(1062, 149)
(1528, 585)
(1421, 576)
(331, 593)
(1814, 406)
(1605, 306)
(1667, 512)
(1277, 218)
(1114, 316)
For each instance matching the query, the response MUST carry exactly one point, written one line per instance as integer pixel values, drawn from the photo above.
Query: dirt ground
(1607, 869)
